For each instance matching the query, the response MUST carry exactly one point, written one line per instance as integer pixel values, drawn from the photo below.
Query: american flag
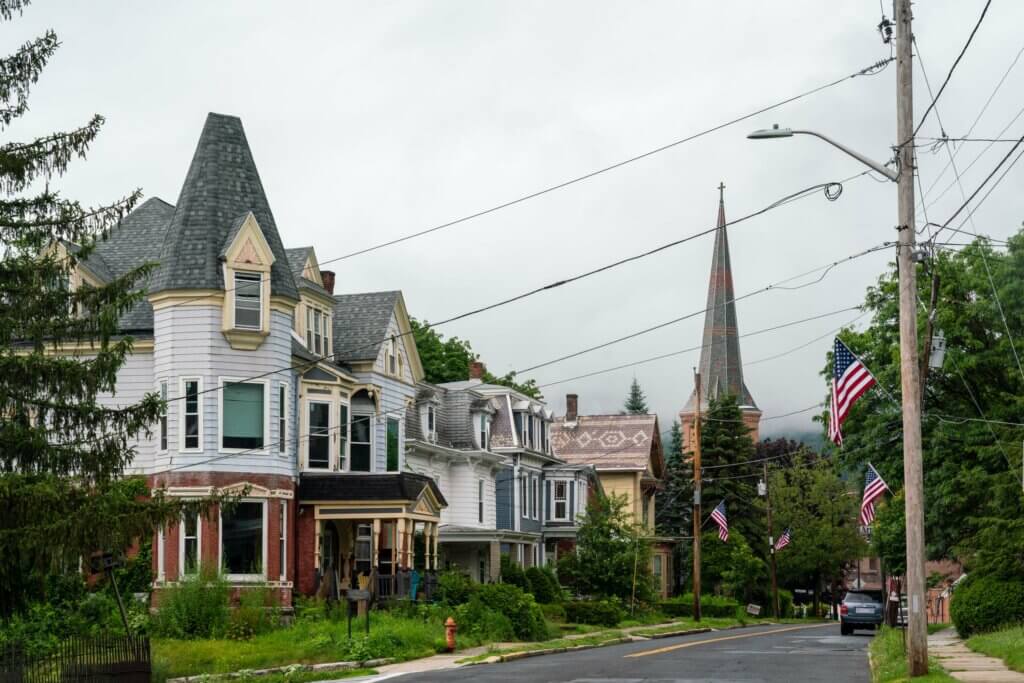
(874, 487)
(850, 379)
(784, 540)
(718, 516)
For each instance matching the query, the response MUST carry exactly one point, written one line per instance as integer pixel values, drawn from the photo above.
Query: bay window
(248, 300)
(243, 415)
(163, 416)
(360, 447)
(318, 445)
(241, 532)
(282, 418)
(343, 438)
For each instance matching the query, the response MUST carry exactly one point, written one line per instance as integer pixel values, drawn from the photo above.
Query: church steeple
(721, 368)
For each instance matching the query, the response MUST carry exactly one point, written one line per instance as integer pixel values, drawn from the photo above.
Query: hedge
(595, 612)
(710, 606)
(985, 604)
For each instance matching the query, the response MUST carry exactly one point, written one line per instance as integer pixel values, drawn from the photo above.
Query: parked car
(861, 610)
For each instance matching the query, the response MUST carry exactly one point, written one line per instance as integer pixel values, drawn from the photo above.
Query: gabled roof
(610, 443)
(364, 487)
(721, 369)
(222, 184)
(361, 324)
(297, 258)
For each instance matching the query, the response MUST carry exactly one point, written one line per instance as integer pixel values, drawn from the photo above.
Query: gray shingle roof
(134, 241)
(297, 263)
(222, 184)
(361, 323)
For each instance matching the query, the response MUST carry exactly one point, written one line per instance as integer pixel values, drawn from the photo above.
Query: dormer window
(318, 331)
(483, 431)
(248, 300)
(392, 358)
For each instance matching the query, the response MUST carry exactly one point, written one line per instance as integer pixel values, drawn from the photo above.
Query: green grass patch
(935, 628)
(687, 623)
(890, 660)
(592, 639)
(1007, 645)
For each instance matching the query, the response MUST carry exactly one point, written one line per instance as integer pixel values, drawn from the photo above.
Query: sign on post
(754, 610)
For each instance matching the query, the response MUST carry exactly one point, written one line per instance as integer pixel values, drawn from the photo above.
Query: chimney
(328, 279)
(477, 369)
(571, 404)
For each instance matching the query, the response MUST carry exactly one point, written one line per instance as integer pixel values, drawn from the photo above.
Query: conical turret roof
(721, 369)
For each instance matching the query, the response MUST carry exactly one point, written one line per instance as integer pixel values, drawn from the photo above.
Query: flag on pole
(718, 517)
(784, 539)
(850, 379)
(874, 487)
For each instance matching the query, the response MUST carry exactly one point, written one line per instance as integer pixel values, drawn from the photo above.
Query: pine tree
(725, 440)
(675, 502)
(62, 453)
(636, 402)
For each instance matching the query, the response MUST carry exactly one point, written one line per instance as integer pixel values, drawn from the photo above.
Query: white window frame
(430, 422)
(481, 490)
(535, 497)
(234, 293)
(160, 573)
(282, 537)
(199, 546)
(341, 465)
(182, 416)
(242, 578)
(163, 429)
(283, 413)
(564, 517)
(524, 495)
(266, 415)
(309, 327)
(332, 419)
(373, 442)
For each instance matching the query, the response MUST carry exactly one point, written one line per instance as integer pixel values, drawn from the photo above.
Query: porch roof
(366, 487)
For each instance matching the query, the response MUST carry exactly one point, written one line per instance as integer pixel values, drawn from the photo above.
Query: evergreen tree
(63, 453)
(676, 501)
(636, 402)
(725, 440)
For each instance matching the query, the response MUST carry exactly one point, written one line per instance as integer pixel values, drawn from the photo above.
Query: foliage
(544, 585)
(710, 606)
(513, 574)
(986, 603)
(785, 603)
(725, 440)
(454, 587)
(971, 475)
(889, 534)
(256, 613)
(611, 552)
(519, 607)
(597, 612)
(1004, 644)
(889, 660)
(812, 500)
(674, 512)
(483, 623)
(447, 360)
(732, 568)
(636, 402)
(554, 611)
(197, 607)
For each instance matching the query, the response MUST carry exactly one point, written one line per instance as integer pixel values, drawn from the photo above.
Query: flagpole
(771, 541)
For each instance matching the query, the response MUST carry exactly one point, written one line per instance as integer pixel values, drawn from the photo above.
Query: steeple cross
(721, 190)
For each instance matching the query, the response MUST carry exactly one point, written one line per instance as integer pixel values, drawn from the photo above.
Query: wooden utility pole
(913, 477)
(696, 503)
(771, 543)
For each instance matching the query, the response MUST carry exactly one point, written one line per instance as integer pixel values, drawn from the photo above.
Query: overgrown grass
(1007, 645)
(890, 660)
(687, 623)
(591, 639)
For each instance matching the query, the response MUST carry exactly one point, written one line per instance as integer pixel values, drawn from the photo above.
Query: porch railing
(92, 660)
(407, 585)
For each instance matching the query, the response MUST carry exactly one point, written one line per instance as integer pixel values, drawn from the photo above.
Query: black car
(861, 609)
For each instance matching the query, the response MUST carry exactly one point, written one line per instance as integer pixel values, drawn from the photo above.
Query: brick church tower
(721, 370)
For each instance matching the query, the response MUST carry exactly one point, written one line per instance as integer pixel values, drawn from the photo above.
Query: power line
(949, 75)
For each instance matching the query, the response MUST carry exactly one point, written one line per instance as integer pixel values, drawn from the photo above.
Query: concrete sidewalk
(967, 665)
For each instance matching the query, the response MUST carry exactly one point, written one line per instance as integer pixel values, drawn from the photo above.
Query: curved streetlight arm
(873, 165)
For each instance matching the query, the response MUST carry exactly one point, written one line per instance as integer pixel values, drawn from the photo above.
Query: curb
(326, 666)
(673, 634)
(513, 656)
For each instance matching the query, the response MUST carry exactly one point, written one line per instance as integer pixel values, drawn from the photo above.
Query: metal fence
(81, 660)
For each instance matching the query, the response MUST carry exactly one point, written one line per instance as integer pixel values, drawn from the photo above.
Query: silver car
(861, 610)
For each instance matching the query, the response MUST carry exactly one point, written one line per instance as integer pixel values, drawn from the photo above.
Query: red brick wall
(305, 533)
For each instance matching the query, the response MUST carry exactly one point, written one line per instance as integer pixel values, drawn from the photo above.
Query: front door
(318, 445)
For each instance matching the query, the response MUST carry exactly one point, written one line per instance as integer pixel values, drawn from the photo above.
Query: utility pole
(771, 542)
(696, 503)
(913, 476)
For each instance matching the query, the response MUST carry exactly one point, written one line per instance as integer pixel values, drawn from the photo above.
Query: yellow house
(626, 451)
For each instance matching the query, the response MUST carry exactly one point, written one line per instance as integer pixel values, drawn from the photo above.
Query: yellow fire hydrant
(450, 627)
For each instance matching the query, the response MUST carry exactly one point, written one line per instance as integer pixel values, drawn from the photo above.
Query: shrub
(519, 607)
(196, 608)
(454, 587)
(985, 603)
(598, 612)
(513, 574)
(256, 613)
(785, 603)
(478, 621)
(545, 588)
(553, 612)
(710, 606)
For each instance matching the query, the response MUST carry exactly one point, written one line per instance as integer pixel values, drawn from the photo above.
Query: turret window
(248, 301)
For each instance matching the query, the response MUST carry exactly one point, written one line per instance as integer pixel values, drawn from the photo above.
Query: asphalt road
(764, 653)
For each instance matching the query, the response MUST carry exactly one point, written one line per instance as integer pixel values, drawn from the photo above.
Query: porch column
(437, 535)
(316, 544)
(494, 561)
(400, 547)
(375, 545)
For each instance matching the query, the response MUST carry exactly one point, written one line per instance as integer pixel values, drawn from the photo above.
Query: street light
(776, 132)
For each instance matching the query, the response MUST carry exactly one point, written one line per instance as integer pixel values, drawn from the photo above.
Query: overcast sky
(375, 119)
